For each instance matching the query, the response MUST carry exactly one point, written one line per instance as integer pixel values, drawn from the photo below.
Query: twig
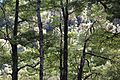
(104, 5)
(88, 64)
(3, 44)
(89, 75)
(3, 11)
(23, 20)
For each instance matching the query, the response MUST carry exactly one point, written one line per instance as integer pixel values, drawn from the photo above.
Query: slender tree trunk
(41, 40)
(15, 62)
(14, 45)
(80, 72)
(61, 51)
(65, 58)
(65, 55)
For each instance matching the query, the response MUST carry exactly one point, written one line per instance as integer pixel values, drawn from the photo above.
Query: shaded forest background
(59, 40)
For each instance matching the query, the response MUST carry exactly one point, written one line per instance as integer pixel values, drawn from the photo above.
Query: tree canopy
(59, 39)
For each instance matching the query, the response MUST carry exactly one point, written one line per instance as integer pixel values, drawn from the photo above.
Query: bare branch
(27, 65)
(3, 11)
(3, 44)
(73, 11)
(86, 77)
(104, 5)
(7, 73)
(88, 64)
(99, 56)
(27, 20)
(3, 32)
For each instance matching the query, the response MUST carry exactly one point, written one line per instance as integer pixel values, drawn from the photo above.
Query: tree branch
(104, 5)
(86, 77)
(99, 56)
(88, 64)
(3, 44)
(27, 20)
(27, 65)
(3, 11)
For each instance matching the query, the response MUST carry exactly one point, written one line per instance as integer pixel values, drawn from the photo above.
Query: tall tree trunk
(65, 55)
(61, 50)
(14, 45)
(41, 51)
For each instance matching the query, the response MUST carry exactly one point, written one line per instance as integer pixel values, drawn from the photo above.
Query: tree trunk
(14, 45)
(41, 51)
(80, 72)
(15, 62)
(61, 50)
(65, 55)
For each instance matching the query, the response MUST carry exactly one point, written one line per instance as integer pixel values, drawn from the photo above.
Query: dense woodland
(59, 40)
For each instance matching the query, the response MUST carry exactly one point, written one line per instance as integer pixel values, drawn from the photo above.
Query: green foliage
(102, 42)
